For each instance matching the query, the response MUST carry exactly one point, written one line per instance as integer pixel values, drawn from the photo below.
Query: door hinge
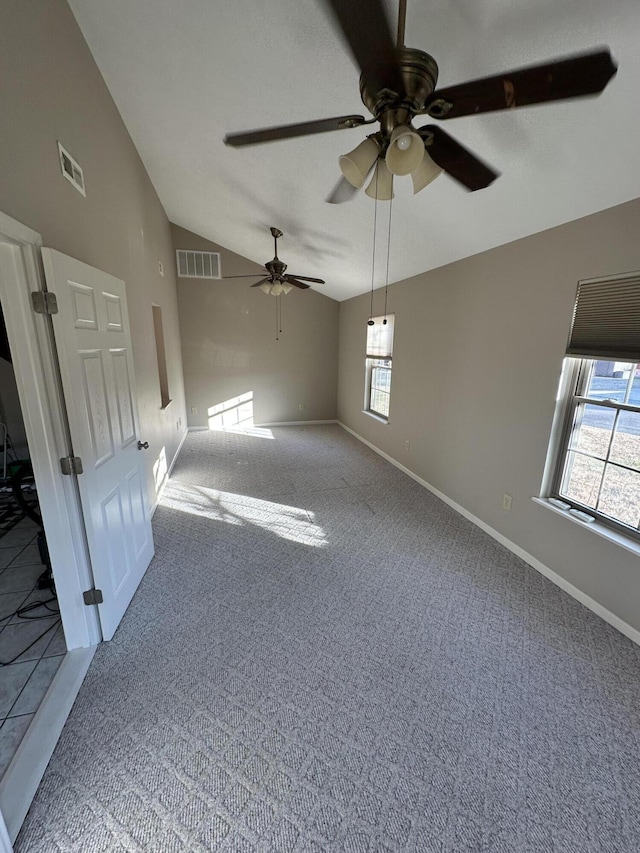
(44, 302)
(92, 596)
(71, 465)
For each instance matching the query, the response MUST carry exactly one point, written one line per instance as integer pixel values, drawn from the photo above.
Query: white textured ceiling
(183, 74)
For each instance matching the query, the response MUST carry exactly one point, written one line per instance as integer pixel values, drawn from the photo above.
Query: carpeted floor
(324, 657)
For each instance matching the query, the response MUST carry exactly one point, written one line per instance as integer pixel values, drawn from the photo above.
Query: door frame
(44, 415)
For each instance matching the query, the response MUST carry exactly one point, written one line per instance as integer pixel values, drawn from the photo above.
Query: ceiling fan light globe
(266, 287)
(276, 289)
(286, 288)
(356, 165)
(405, 151)
(426, 172)
(381, 184)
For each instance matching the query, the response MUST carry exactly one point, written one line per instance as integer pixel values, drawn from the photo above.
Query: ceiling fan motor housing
(276, 268)
(419, 72)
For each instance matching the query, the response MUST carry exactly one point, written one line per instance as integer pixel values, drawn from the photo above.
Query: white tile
(11, 733)
(32, 597)
(12, 679)
(8, 554)
(9, 603)
(15, 638)
(58, 645)
(37, 685)
(20, 578)
(18, 537)
(29, 556)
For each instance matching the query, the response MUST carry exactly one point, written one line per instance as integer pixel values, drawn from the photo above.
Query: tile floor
(23, 683)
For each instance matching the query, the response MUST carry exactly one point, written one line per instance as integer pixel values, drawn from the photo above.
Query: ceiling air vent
(198, 264)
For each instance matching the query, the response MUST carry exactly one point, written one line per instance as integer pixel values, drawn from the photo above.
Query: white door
(93, 341)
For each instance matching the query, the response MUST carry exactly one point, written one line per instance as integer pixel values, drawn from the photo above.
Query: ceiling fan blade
(286, 131)
(366, 30)
(574, 77)
(305, 278)
(296, 283)
(343, 191)
(251, 275)
(262, 281)
(456, 160)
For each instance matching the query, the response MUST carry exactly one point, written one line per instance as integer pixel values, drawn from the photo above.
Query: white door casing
(96, 364)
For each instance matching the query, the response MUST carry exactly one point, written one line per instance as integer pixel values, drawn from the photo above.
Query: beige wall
(478, 352)
(229, 344)
(52, 90)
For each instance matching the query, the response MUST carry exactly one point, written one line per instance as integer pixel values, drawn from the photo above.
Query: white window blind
(380, 337)
(606, 319)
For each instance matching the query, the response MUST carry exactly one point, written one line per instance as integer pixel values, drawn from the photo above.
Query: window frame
(574, 385)
(371, 365)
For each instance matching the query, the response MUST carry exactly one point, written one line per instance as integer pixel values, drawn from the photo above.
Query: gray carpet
(324, 657)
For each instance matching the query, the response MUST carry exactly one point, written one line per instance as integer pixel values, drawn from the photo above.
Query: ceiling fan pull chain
(386, 283)
(373, 257)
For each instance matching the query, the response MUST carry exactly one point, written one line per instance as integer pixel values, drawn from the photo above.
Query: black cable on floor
(20, 613)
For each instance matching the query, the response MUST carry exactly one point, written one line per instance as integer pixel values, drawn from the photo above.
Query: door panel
(96, 364)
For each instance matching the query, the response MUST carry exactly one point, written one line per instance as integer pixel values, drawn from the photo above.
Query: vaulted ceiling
(183, 74)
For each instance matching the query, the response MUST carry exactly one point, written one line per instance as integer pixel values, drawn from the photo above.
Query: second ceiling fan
(398, 83)
(277, 279)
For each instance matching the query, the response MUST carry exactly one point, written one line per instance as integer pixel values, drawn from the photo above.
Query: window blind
(606, 319)
(380, 337)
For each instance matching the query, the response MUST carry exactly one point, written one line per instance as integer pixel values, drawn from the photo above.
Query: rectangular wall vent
(198, 264)
(71, 170)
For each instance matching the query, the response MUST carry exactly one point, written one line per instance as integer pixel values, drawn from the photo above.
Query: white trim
(17, 232)
(21, 779)
(590, 603)
(376, 417)
(199, 429)
(169, 470)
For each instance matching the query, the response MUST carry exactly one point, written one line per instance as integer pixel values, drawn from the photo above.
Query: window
(600, 465)
(165, 399)
(378, 365)
(597, 468)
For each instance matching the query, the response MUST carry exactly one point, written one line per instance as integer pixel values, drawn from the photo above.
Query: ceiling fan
(398, 83)
(277, 280)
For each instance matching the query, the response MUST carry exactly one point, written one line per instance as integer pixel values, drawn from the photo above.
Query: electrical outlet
(194, 410)
(301, 407)
(506, 502)
(161, 268)
(407, 445)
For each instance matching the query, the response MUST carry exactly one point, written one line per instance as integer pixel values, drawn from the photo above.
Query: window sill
(375, 417)
(596, 527)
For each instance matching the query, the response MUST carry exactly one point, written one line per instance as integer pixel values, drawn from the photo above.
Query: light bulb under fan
(399, 84)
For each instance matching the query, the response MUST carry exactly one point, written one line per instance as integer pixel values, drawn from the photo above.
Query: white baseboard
(169, 470)
(597, 608)
(269, 424)
(21, 779)
(296, 423)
